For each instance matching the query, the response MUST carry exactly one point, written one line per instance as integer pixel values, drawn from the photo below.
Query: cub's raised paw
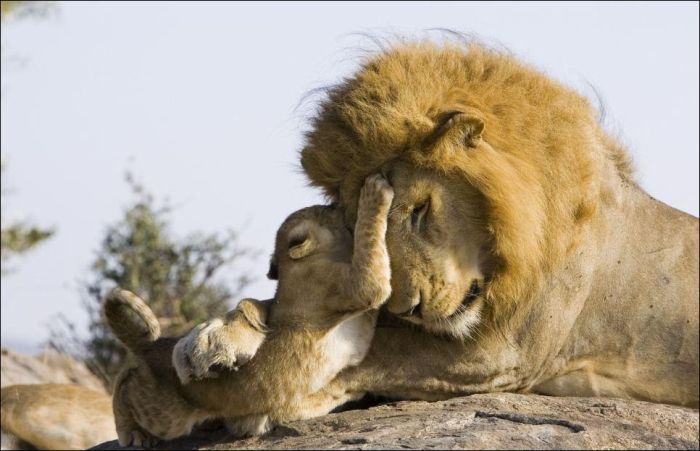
(376, 192)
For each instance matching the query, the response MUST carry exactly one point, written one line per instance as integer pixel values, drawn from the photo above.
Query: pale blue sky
(198, 100)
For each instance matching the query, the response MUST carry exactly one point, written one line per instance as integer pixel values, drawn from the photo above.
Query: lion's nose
(416, 308)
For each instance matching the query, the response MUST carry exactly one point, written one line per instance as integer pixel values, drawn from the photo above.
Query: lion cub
(321, 321)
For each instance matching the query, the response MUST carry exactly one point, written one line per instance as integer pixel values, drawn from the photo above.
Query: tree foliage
(12, 9)
(17, 237)
(177, 278)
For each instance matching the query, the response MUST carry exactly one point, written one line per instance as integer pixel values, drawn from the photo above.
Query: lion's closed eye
(418, 214)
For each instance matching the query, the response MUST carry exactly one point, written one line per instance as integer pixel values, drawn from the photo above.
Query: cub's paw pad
(204, 347)
(377, 190)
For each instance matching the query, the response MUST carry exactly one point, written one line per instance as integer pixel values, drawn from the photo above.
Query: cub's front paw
(376, 192)
(205, 346)
(138, 438)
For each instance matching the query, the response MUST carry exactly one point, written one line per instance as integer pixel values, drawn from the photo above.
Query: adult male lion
(517, 230)
(519, 241)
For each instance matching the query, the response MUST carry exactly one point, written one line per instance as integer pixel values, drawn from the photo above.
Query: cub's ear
(254, 312)
(301, 247)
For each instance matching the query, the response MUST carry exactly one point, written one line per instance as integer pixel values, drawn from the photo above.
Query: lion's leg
(323, 401)
(412, 364)
(248, 426)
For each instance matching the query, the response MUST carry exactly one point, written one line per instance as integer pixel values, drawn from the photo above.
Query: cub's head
(308, 244)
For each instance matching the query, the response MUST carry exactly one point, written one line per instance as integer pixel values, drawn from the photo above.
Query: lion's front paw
(249, 426)
(205, 346)
(376, 193)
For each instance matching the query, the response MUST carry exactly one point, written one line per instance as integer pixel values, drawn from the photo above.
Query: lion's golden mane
(543, 182)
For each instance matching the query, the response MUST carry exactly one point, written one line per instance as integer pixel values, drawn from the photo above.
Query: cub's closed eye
(418, 213)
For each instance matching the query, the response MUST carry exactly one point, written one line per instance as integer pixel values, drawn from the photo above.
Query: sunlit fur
(591, 285)
(540, 167)
(321, 321)
(56, 416)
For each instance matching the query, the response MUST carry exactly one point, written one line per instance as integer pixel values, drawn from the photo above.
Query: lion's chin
(462, 322)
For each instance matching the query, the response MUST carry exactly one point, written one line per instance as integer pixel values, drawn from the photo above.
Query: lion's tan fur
(593, 286)
(57, 416)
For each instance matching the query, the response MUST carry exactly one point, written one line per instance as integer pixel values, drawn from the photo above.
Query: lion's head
(496, 170)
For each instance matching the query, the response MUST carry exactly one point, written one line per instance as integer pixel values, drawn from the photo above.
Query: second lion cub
(321, 321)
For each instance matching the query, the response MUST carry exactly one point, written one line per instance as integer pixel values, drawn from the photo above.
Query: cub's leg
(129, 433)
(314, 405)
(148, 406)
(368, 283)
(229, 342)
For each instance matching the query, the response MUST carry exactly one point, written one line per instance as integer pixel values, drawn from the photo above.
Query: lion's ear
(474, 126)
(466, 122)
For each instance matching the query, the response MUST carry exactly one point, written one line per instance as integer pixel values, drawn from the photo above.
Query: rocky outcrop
(490, 421)
(49, 367)
(498, 420)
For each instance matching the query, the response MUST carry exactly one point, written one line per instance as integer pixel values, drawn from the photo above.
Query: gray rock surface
(49, 367)
(490, 421)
